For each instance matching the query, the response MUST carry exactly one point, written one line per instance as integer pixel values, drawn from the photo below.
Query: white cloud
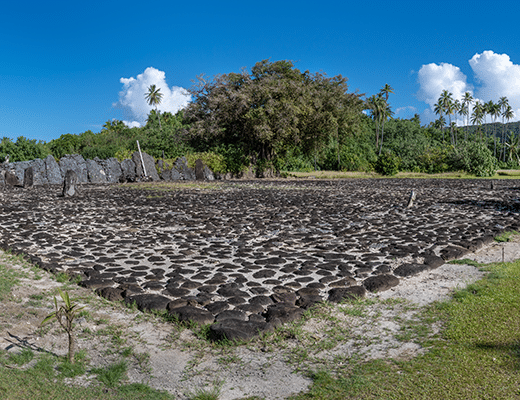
(498, 76)
(495, 75)
(132, 124)
(408, 109)
(133, 102)
(433, 79)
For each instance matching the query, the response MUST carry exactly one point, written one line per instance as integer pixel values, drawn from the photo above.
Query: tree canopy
(273, 108)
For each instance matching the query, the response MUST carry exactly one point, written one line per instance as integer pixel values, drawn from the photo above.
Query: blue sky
(62, 63)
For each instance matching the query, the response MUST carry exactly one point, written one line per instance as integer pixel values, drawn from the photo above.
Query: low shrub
(387, 164)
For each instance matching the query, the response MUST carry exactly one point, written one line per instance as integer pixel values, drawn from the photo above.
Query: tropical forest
(278, 118)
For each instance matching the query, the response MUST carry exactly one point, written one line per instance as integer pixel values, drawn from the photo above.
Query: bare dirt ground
(168, 357)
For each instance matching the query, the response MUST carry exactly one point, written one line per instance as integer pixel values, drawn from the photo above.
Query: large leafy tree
(274, 107)
(154, 97)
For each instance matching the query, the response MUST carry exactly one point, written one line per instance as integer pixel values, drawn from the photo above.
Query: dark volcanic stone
(128, 170)
(288, 297)
(193, 314)
(149, 165)
(453, 253)
(308, 292)
(217, 306)
(199, 170)
(147, 302)
(306, 302)
(233, 329)
(110, 293)
(28, 178)
(11, 179)
(250, 308)
(407, 270)
(54, 176)
(337, 295)
(95, 283)
(69, 183)
(76, 163)
(231, 314)
(281, 313)
(380, 283)
(432, 261)
(176, 292)
(95, 171)
(113, 171)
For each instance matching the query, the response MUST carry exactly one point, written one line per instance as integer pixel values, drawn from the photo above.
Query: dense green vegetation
(278, 117)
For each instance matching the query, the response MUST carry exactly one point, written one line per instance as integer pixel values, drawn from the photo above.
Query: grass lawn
(477, 355)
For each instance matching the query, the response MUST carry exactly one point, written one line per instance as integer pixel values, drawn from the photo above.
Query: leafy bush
(474, 158)
(387, 164)
(215, 162)
(23, 149)
(434, 160)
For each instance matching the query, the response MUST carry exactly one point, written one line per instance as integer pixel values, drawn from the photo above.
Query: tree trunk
(71, 347)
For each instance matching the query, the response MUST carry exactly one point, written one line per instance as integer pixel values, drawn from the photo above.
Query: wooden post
(141, 154)
(411, 200)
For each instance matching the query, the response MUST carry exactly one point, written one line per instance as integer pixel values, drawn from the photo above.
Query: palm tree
(508, 114)
(494, 111)
(375, 104)
(467, 101)
(439, 110)
(503, 102)
(488, 109)
(154, 97)
(386, 90)
(387, 112)
(477, 116)
(446, 101)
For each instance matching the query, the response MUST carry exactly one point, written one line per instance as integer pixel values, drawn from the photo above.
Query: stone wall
(51, 172)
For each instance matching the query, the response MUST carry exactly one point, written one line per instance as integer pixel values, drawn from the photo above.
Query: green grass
(44, 381)
(113, 374)
(476, 357)
(506, 236)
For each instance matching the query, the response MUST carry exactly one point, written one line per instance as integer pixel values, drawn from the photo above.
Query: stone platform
(247, 256)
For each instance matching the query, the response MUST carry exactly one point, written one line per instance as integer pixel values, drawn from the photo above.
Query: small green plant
(70, 370)
(65, 316)
(112, 374)
(206, 394)
(22, 358)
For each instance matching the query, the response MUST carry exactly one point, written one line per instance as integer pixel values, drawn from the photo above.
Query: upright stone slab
(181, 165)
(208, 174)
(199, 170)
(149, 165)
(113, 170)
(69, 183)
(28, 178)
(11, 179)
(175, 175)
(128, 170)
(54, 176)
(2, 177)
(19, 169)
(95, 171)
(39, 172)
(76, 163)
